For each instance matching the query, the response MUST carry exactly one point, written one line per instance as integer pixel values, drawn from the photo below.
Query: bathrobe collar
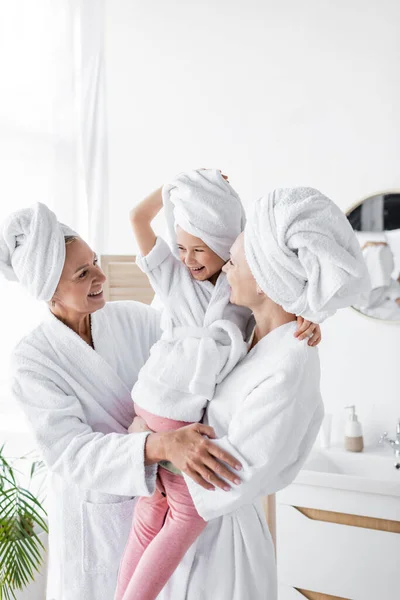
(69, 341)
(272, 340)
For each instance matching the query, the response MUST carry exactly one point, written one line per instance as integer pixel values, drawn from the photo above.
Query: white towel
(304, 254)
(32, 249)
(203, 356)
(380, 265)
(393, 239)
(203, 204)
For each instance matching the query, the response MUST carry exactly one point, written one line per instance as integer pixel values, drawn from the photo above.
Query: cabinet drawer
(340, 560)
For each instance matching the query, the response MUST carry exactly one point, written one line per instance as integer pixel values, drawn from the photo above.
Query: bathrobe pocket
(105, 530)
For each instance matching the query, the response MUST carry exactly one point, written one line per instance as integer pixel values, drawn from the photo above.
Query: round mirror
(376, 222)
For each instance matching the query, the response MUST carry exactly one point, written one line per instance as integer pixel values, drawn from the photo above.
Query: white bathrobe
(203, 339)
(78, 402)
(267, 412)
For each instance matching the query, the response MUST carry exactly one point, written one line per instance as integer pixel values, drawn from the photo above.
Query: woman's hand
(306, 329)
(194, 454)
(138, 426)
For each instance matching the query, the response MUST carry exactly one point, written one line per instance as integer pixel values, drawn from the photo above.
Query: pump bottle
(353, 438)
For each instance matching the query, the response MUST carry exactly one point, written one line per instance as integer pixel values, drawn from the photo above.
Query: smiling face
(243, 285)
(80, 290)
(201, 261)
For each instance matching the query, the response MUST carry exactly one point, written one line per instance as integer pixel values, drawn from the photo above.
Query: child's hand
(138, 425)
(306, 329)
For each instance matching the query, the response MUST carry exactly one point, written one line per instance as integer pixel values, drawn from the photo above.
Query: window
(38, 148)
(52, 138)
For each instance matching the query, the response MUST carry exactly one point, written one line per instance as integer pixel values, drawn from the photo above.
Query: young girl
(203, 339)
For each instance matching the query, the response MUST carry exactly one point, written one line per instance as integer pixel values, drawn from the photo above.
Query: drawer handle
(348, 519)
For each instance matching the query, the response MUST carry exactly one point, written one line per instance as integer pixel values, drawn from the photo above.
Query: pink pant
(163, 529)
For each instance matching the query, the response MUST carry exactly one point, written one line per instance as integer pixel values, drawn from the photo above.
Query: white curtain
(52, 133)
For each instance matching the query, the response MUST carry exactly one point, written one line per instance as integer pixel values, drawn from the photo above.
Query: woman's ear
(53, 301)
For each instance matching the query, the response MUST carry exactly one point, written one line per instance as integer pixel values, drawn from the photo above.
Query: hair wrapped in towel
(203, 204)
(304, 254)
(32, 249)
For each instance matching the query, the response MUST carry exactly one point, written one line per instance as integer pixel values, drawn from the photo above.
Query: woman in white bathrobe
(299, 249)
(73, 377)
(267, 413)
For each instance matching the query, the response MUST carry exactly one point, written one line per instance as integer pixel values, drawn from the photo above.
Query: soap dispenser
(353, 438)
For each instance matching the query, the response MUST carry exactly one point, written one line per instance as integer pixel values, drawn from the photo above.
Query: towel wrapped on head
(304, 254)
(32, 249)
(204, 204)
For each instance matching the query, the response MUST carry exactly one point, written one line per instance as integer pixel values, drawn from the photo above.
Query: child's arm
(155, 258)
(141, 217)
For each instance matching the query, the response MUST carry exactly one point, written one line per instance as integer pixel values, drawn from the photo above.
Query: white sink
(371, 471)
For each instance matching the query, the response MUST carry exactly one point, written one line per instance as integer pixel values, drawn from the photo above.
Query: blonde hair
(68, 240)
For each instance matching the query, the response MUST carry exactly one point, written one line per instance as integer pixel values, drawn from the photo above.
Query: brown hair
(69, 239)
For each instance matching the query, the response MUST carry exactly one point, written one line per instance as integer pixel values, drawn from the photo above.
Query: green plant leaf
(21, 550)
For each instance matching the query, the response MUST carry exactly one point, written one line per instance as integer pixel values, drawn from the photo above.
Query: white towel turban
(304, 254)
(203, 204)
(32, 249)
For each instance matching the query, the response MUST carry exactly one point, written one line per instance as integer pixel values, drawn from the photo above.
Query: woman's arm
(141, 217)
(112, 463)
(271, 433)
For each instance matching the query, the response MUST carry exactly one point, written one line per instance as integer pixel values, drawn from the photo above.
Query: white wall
(274, 94)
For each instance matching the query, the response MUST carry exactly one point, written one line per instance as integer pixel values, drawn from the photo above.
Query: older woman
(298, 254)
(73, 377)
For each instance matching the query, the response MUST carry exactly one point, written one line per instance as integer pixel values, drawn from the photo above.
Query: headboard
(125, 281)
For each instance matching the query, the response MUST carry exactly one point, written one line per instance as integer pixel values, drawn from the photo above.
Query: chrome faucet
(395, 444)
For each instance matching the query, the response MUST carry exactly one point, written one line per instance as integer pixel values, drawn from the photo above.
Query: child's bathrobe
(78, 402)
(202, 340)
(267, 413)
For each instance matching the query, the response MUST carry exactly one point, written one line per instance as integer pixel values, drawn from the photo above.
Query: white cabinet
(338, 528)
(342, 560)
